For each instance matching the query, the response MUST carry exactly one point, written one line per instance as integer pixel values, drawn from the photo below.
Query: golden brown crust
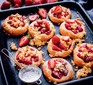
(47, 72)
(36, 52)
(64, 53)
(59, 20)
(10, 30)
(39, 38)
(79, 61)
(66, 32)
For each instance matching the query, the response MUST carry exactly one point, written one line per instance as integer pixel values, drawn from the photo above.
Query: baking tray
(10, 72)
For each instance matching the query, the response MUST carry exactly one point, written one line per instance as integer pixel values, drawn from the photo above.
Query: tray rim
(73, 2)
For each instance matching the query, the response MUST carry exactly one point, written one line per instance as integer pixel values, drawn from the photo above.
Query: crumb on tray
(13, 46)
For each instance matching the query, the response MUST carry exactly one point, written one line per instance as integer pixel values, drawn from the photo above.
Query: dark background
(88, 6)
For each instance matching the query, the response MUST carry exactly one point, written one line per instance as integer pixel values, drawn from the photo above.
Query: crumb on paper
(83, 72)
(13, 46)
(73, 63)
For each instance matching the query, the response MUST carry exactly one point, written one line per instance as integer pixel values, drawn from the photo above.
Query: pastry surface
(73, 28)
(41, 31)
(15, 25)
(59, 14)
(28, 55)
(57, 70)
(83, 54)
(60, 46)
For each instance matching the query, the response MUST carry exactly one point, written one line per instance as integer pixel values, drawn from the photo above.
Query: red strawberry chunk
(42, 12)
(62, 46)
(80, 28)
(33, 17)
(54, 47)
(86, 58)
(36, 59)
(57, 74)
(58, 9)
(55, 40)
(51, 63)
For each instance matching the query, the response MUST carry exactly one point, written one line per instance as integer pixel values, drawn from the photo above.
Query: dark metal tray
(10, 72)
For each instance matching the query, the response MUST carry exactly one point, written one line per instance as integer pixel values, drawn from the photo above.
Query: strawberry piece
(44, 1)
(79, 55)
(42, 12)
(51, 1)
(57, 74)
(19, 2)
(28, 60)
(33, 17)
(62, 46)
(54, 47)
(75, 31)
(80, 28)
(5, 5)
(47, 25)
(78, 22)
(66, 14)
(16, 6)
(59, 15)
(43, 30)
(28, 2)
(36, 59)
(86, 58)
(39, 22)
(55, 40)
(58, 9)
(37, 2)
(24, 41)
(10, 1)
(84, 45)
(51, 63)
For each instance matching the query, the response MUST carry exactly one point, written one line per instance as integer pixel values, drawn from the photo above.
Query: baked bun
(41, 31)
(73, 28)
(28, 56)
(57, 70)
(59, 14)
(15, 25)
(60, 46)
(83, 55)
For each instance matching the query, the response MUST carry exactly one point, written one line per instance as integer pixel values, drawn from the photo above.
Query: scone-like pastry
(15, 25)
(57, 70)
(59, 14)
(28, 56)
(83, 55)
(73, 28)
(41, 31)
(60, 46)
